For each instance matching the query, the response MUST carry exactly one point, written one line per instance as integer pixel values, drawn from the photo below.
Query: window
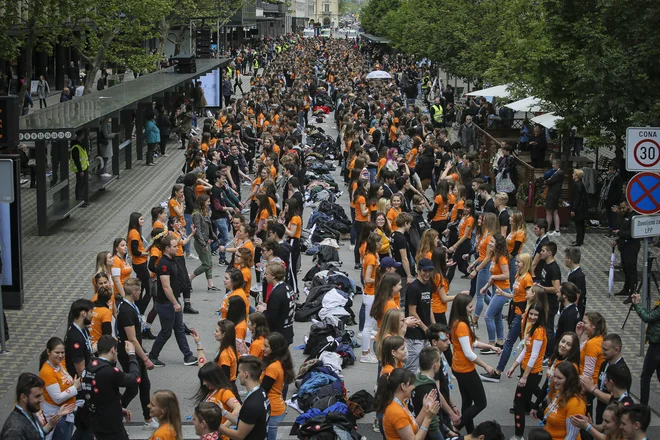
(326, 7)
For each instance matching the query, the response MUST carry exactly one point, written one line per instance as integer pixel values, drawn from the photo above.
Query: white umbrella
(548, 120)
(529, 104)
(379, 74)
(497, 91)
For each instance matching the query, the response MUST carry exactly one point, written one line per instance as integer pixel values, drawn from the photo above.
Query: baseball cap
(425, 264)
(388, 262)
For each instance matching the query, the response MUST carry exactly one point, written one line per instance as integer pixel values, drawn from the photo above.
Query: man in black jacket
(572, 258)
(569, 316)
(276, 232)
(101, 383)
(628, 246)
(280, 304)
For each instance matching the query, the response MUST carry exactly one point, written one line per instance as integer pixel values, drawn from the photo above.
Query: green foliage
(373, 15)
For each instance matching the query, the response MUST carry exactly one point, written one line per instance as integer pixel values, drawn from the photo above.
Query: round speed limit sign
(643, 149)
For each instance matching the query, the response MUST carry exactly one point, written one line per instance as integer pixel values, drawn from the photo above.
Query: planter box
(564, 214)
(528, 212)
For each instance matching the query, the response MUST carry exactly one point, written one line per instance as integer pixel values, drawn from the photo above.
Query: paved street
(58, 270)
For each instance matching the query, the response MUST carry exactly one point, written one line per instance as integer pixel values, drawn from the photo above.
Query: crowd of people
(569, 371)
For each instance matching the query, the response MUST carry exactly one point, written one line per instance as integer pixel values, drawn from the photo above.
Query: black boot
(187, 308)
(148, 335)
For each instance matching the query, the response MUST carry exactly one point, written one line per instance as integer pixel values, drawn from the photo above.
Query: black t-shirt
(127, 316)
(540, 242)
(372, 151)
(549, 273)
(232, 162)
(256, 411)
(419, 295)
(77, 347)
(167, 266)
(504, 220)
(399, 242)
(489, 206)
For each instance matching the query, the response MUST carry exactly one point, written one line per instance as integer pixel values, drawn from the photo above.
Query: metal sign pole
(3, 349)
(644, 293)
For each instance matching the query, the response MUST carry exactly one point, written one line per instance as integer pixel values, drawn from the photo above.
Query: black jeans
(522, 400)
(142, 273)
(579, 228)
(82, 184)
(143, 386)
(651, 365)
(151, 147)
(629, 253)
(473, 397)
(170, 321)
(358, 232)
(163, 142)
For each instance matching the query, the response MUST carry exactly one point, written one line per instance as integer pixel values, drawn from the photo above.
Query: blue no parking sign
(643, 193)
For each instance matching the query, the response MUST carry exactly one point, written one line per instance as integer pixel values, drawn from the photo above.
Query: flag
(611, 277)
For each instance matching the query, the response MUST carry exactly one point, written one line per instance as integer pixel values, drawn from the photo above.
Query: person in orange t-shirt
(591, 351)
(394, 211)
(214, 387)
(234, 283)
(164, 406)
(244, 260)
(293, 221)
(530, 360)
(361, 216)
(60, 388)
(481, 267)
(236, 314)
(369, 270)
(463, 244)
(394, 391)
(121, 270)
(565, 401)
(393, 354)
(101, 315)
(139, 258)
(158, 217)
(389, 285)
(440, 207)
(258, 326)
(227, 353)
(277, 375)
(499, 280)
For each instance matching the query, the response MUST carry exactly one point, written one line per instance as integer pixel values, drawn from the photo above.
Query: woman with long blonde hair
(429, 241)
(164, 406)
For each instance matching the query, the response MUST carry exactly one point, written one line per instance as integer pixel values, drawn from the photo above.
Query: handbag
(504, 184)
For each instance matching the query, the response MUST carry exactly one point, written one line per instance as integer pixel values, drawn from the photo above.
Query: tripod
(639, 289)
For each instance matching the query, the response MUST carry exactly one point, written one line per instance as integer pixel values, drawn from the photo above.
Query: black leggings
(143, 386)
(163, 143)
(295, 257)
(358, 232)
(142, 273)
(439, 225)
(522, 401)
(184, 279)
(254, 208)
(473, 398)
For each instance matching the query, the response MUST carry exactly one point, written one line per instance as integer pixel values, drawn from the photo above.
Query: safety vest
(426, 82)
(230, 72)
(82, 154)
(255, 63)
(286, 46)
(437, 112)
(278, 48)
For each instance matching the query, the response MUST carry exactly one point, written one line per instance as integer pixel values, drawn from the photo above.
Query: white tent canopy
(529, 104)
(547, 120)
(497, 91)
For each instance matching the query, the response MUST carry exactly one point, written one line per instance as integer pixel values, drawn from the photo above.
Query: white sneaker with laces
(369, 358)
(151, 424)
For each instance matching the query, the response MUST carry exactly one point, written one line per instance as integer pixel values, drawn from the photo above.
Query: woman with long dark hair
(391, 399)
(264, 212)
(461, 249)
(121, 270)
(370, 267)
(465, 360)
(258, 326)
(390, 285)
(214, 387)
(244, 260)
(480, 269)
(278, 374)
(139, 257)
(234, 283)
(499, 281)
(293, 222)
(438, 214)
(236, 314)
(515, 241)
(373, 196)
(361, 216)
(204, 236)
(60, 388)
(530, 360)
(101, 315)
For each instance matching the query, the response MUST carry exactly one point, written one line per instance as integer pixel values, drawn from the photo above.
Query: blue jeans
(170, 320)
(189, 223)
(63, 430)
(372, 174)
(222, 228)
(482, 280)
(494, 322)
(511, 338)
(512, 271)
(273, 423)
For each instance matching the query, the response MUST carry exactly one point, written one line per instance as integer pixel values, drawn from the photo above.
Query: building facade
(326, 12)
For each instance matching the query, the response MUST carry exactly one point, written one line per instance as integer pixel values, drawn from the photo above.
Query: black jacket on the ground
(101, 383)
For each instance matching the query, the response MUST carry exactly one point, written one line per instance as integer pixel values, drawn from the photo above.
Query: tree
(372, 17)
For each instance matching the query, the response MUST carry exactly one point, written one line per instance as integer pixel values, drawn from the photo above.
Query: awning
(498, 91)
(375, 39)
(529, 104)
(547, 120)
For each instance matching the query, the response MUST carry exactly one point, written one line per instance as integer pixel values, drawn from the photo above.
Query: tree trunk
(165, 32)
(98, 61)
(179, 40)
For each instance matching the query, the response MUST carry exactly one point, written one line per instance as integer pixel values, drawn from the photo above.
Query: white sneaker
(552, 233)
(106, 175)
(151, 424)
(369, 358)
(557, 234)
(192, 257)
(351, 248)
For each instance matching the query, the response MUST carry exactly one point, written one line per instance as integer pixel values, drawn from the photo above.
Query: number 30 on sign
(643, 149)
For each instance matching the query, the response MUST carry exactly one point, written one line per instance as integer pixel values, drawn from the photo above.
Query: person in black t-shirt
(401, 251)
(501, 200)
(168, 306)
(540, 229)
(418, 305)
(572, 258)
(252, 420)
(129, 328)
(439, 338)
(77, 345)
(488, 204)
(569, 315)
(551, 282)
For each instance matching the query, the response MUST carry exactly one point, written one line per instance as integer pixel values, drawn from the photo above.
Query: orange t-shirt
(592, 348)
(296, 220)
(199, 190)
(369, 260)
(520, 286)
(460, 363)
(459, 206)
(59, 376)
(361, 200)
(519, 235)
(179, 246)
(275, 372)
(164, 432)
(247, 276)
(255, 184)
(241, 330)
(387, 369)
(483, 245)
(155, 252)
(158, 225)
(437, 305)
(390, 304)
(396, 417)
(228, 358)
(539, 335)
(220, 398)
(225, 303)
(257, 347)
(555, 423)
(172, 203)
(466, 222)
(134, 235)
(496, 269)
(392, 214)
(121, 269)
(441, 212)
(411, 158)
(381, 163)
(100, 315)
(248, 245)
